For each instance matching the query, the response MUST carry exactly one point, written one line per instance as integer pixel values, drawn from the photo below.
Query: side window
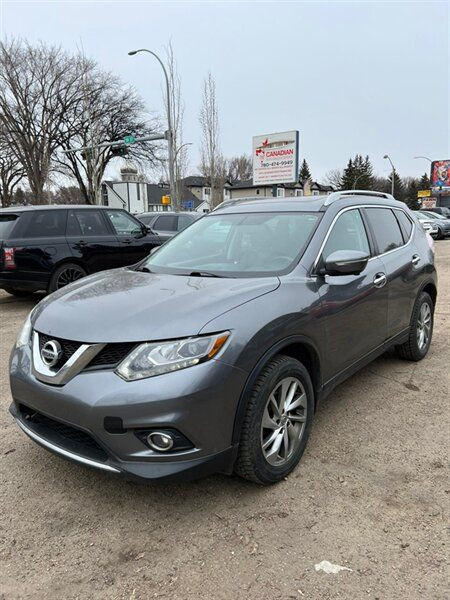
(385, 228)
(183, 222)
(86, 223)
(166, 223)
(46, 223)
(348, 233)
(123, 224)
(405, 224)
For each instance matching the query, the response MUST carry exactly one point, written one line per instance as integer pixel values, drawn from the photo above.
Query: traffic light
(119, 150)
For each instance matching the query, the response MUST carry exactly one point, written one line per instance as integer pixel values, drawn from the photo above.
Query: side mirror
(345, 262)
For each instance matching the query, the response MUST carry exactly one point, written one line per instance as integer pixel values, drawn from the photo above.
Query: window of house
(207, 191)
(257, 191)
(280, 192)
(298, 192)
(316, 193)
(386, 229)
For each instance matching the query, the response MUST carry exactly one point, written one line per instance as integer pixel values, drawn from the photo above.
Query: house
(246, 189)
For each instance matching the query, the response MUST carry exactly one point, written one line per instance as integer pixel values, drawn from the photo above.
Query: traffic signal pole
(121, 143)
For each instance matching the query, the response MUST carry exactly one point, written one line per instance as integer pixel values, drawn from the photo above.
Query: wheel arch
(66, 261)
(298, 347)
(431, 289)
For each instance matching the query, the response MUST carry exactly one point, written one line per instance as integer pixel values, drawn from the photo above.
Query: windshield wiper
(204, 274)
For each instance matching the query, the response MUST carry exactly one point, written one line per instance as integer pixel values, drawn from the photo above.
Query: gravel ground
(370, 494)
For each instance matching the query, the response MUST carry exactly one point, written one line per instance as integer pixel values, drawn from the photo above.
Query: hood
(131, 306)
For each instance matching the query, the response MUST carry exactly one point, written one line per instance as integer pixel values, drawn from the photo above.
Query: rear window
(166, 223)
(6, 225)
(405, 224)
(45, 223)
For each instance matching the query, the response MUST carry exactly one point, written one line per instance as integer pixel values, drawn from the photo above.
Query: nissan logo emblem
(51, 352)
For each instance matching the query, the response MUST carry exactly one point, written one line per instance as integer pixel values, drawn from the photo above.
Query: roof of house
(248, 184)
(195, 181)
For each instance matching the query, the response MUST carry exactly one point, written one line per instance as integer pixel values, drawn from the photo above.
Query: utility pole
(169, 122)
(393, 172)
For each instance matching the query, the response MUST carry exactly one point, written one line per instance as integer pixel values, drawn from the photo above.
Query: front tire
(65, 274)
(420, 331)
(277, 422)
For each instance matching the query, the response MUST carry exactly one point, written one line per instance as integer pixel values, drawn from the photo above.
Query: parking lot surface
(371, 494)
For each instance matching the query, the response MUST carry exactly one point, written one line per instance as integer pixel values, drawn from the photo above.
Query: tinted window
(46, 223)
(348, 233)
(405, 224)
(147, 219)
(6, 224)
(385, 228)
(166, 223)
(86, 223)
(123, 224)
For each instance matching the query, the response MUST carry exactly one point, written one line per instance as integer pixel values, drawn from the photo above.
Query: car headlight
(23, 339)
(150, 359)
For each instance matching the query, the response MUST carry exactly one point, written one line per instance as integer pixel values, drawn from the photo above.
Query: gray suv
(213, 354)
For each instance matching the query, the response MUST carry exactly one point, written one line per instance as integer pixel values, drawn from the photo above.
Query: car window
(348, 233)
(385, 228)
(86, 223)
(166, 223)
(146, 219)
(405, 224)
(431, 215)
(122, 223)
(6, 225)
(46, 223)
(184, 221)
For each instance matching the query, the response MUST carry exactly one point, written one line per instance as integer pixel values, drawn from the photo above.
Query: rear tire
(65, 274)
(268, 418)
(18, 293)
(421, 330)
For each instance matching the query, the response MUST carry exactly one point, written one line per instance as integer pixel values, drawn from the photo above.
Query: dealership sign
(275, 158)
(440, 175)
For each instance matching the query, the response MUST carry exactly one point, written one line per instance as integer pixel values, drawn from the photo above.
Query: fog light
(159, 441)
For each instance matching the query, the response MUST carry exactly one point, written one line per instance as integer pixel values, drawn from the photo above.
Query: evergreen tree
(399, 188)
(305, 173)
(412, 186)
(348, 176)
(425, 182)
(358, 174)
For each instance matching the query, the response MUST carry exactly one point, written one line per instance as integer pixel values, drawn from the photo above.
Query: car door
(355, 306)
(134, 242)
(401, 262)
(91, 239)
(165, 226)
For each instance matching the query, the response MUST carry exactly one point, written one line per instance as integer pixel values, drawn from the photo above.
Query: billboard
(440, 175)
(275, 158)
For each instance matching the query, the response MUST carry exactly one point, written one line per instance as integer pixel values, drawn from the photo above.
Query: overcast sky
(367, 77)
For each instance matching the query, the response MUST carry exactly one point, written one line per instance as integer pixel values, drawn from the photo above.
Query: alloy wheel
(283, 421)
(67, 276)
(424, 326)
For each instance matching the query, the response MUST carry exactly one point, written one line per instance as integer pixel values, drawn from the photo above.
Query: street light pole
(169, 120)
(425, 157)
(393, 172)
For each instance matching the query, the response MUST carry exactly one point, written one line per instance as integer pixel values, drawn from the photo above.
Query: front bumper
(200, 402)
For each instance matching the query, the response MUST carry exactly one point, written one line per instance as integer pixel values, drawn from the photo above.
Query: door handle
(415, 259)
(379, 280)
(126, 241)
(80, 243)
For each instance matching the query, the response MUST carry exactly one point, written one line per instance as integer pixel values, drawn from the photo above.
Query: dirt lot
(371, 494)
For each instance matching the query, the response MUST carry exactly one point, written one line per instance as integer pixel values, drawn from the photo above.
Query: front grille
(65, 436)
(109, 357)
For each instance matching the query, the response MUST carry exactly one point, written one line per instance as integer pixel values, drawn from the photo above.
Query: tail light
(8, 258)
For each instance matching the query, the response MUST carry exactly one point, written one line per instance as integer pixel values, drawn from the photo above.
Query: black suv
(47, 247)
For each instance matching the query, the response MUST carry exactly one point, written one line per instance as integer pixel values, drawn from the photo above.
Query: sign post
(275, 158)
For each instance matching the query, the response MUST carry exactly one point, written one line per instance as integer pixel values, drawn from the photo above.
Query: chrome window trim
(58, 450)
(72, 367)
(357, 206)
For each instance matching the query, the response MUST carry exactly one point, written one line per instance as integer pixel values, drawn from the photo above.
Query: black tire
(440, 234)
(18, 293)
(411, 350)
(65, 274)
(251, 463)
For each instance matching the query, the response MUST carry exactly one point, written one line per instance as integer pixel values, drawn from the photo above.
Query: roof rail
(338, 195)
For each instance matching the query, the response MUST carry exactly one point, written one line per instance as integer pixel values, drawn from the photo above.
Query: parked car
(211, 357)
(47, 247)
(444, 211)
(167, 224)
(429, 228)
(440, 223)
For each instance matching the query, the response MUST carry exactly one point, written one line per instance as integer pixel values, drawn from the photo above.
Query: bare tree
(106, 111)
(38, 88)
(334, 178)
(212, 163)
(240, 168)
(11, 171)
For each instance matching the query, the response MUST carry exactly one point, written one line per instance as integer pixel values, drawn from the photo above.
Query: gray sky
(367, 77)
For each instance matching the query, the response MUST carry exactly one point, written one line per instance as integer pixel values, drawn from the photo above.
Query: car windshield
(236, 245)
